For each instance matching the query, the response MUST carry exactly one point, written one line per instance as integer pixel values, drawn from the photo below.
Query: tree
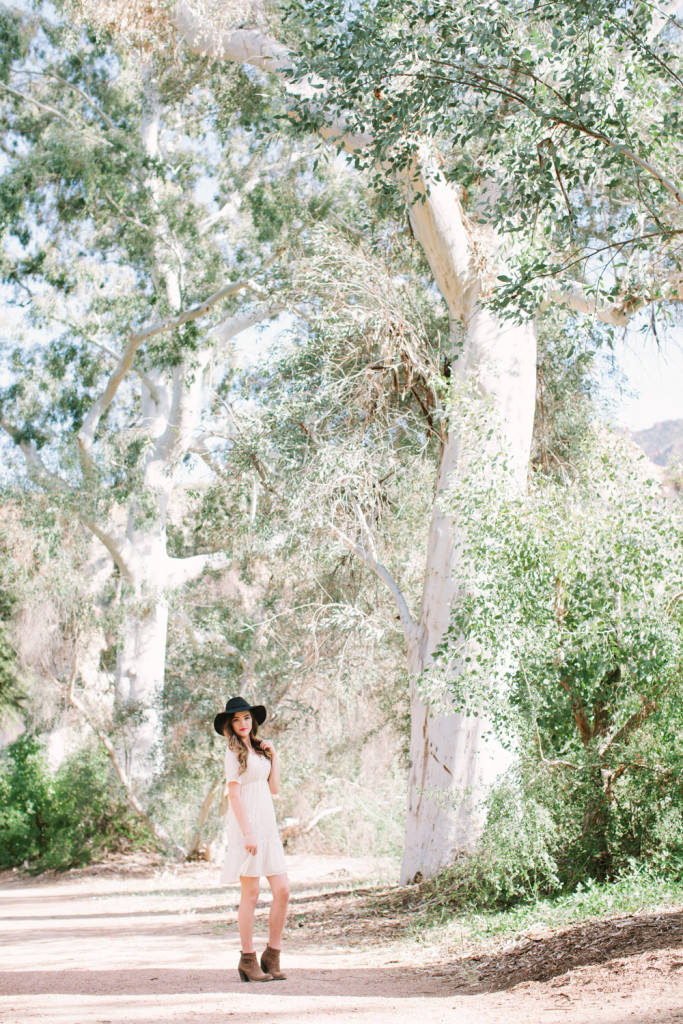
(572, 597)
(480, 211)
(133, 258)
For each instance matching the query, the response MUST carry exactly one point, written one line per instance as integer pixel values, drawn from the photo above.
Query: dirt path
(151, 946)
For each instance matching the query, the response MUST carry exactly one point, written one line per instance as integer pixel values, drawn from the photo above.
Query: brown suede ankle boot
(249, 969)
(270, 962)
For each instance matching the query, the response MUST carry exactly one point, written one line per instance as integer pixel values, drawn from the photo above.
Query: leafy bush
(11, 691)
(65, 820)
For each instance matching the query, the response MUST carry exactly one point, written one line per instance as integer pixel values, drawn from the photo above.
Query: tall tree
(133, 258)
(535, 167)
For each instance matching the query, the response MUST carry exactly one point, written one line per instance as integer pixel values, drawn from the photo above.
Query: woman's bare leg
(279, 885)
(245, 914)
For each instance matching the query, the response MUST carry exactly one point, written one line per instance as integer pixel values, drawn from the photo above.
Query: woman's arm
(235, 790)
(274, 777)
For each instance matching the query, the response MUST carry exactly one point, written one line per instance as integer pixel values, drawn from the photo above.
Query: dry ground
(137, 944)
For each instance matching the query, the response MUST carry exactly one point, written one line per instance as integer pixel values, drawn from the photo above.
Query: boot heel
(242, 975)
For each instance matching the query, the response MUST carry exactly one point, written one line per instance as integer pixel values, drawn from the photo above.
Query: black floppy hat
(234, 705)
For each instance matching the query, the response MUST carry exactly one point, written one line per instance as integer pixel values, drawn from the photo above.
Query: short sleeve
(232, 766)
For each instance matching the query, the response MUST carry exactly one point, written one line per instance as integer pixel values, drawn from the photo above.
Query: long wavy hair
(237, 745)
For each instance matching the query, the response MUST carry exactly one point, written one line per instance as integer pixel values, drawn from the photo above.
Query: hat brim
(259, 713)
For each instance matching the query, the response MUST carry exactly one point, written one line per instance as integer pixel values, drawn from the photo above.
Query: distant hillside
(663, 443)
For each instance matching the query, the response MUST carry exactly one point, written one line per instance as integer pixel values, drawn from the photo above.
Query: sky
(650, 388)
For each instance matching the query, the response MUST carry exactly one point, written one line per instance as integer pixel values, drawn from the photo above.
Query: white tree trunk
(451, 765)
(494, 374)
(139, 683)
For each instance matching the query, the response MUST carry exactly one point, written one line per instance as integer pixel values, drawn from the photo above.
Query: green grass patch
(640, 891)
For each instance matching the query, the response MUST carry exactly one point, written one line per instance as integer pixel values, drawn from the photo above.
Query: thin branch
(157, 831)
(249, 669)
(146, 380)
(490, 85)
(544, 760)
(630, 725)
(88, 99)
(84, 95)
(663, 15)
(199, 448)
(49, 109)
(194, 312)
(45, 107)
(198, 638)
(37, 470)
(368, 555)
(87, 432)
(302, 828)
(116, 542)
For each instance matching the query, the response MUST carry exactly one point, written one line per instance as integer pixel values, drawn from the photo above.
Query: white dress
(269, 858)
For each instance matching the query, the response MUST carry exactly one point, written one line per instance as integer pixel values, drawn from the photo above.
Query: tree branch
(367, 554)
(198, 637)
(116, 542)
(84, 95)
(233, 326)
(577, 299)
(250, 46)
(37, 470)
(183, 415)
(580, 716)
(194, 847)
(630, 725)
(662, 15)
(47, 108)
(149, 384)
(183, 570)
(436, 216)
(439, 224)
(199, 448)
(87, 432)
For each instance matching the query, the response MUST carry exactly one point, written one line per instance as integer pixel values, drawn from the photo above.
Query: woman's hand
(267, 745)
(250, 844)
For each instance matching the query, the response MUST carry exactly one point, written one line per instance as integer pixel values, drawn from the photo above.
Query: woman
(254, 848)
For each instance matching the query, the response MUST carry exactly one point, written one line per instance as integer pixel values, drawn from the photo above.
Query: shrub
(65, 820)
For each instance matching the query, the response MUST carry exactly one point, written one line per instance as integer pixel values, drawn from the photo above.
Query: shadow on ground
(393, 982)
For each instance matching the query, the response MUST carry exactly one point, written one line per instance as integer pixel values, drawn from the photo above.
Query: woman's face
(241, 724)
